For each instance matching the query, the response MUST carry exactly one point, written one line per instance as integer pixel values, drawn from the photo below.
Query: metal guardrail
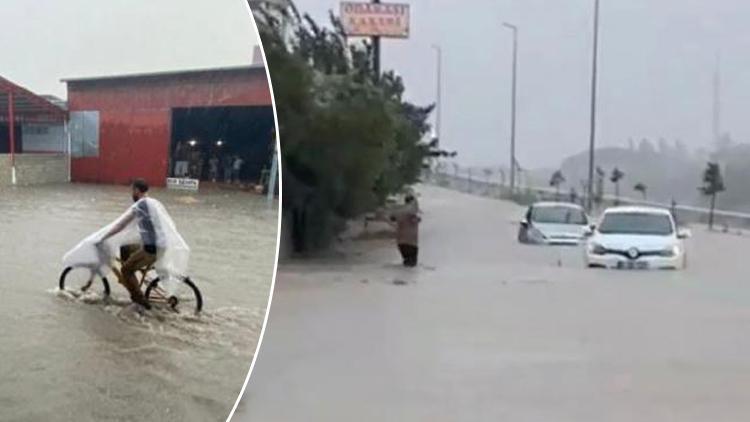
(685, 213)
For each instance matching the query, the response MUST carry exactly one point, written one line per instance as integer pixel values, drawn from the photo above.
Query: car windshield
(558, 215)
(636, 223)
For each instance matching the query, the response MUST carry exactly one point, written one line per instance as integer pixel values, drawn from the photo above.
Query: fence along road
(685, 213)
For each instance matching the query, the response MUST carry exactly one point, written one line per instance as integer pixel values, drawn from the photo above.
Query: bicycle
(73, 276)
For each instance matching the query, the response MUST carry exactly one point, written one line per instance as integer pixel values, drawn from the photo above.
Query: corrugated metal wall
(135, 117)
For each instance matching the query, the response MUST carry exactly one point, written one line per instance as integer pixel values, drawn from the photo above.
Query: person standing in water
(407, 231)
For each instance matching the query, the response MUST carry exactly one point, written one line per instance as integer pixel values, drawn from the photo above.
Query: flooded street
(487, 329)
(67, 359)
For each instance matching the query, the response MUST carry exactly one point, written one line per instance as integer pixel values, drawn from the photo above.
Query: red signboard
(375, 19)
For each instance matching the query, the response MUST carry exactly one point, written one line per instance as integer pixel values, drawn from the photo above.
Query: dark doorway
(222, 144)
(5, 138)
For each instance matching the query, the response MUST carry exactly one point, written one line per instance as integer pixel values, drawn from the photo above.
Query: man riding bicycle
(152, 241)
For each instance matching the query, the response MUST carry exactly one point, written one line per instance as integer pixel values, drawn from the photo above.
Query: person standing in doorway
(213, 168)
(181, 162)
(227, 165)
(407, 231)
(236, 167)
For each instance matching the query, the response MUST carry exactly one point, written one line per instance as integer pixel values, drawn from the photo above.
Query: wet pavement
(487, 329)
(68, 359)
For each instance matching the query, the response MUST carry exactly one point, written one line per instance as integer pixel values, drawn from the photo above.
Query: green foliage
(616, 175)
(640, 187)
(713, 182)
(557, 179)
(348, 138)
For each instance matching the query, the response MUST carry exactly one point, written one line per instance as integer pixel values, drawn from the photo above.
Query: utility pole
(273, 174)
(439, 103)
(716, 123)
(592, 132)
(513, 108)
(12, 135)
(376, 51)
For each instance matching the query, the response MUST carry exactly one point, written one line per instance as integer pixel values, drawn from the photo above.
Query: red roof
(27, 106)
(169, 74)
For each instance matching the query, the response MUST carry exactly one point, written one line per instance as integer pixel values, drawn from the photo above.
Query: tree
(713, 183)
(615, 178)
(349, 138)
(640, 187)
(555, 181)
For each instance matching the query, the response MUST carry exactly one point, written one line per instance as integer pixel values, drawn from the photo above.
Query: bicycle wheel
(186, 295)
(79, 280)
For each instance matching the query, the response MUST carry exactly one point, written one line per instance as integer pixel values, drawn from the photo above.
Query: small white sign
(182, 183)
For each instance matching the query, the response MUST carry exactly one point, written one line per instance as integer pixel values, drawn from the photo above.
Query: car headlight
(670, 251)
(596, 249)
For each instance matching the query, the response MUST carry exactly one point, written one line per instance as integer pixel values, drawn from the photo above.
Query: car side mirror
(684, 234)
(524, 223)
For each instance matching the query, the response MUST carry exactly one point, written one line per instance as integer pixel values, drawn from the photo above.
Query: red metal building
(133, 118)
(21, 111)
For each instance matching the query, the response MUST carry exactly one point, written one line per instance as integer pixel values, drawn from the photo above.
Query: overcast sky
(656, 61)
(45, 40)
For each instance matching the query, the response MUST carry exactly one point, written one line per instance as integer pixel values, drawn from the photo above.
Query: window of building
(84, 133)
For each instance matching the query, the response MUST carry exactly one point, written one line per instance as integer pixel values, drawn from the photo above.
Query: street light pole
(592, 131)
(274, 173)
(513, 108)
(376, 51)
(439, 103)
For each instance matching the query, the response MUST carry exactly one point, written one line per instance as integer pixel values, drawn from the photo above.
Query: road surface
(487, 329)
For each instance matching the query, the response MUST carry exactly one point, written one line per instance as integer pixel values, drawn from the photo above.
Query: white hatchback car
(554, 223)
(636, 238)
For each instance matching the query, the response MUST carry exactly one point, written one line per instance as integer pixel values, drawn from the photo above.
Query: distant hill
(669, 170)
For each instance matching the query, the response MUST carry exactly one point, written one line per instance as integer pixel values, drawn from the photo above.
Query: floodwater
(70, 359)
(487, 329)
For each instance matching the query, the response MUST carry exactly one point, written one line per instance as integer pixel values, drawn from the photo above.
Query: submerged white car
(554, 223)
(636, 238)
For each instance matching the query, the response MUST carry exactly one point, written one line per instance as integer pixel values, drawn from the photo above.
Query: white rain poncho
(173, 253)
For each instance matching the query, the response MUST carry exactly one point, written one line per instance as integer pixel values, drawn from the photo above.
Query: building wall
(135, 117)
(44, 137)
(32, 169)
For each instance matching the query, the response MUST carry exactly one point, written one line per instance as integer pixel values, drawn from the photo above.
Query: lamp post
(439, 102)
(513, 107)
(592, 127)
(376, 51)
